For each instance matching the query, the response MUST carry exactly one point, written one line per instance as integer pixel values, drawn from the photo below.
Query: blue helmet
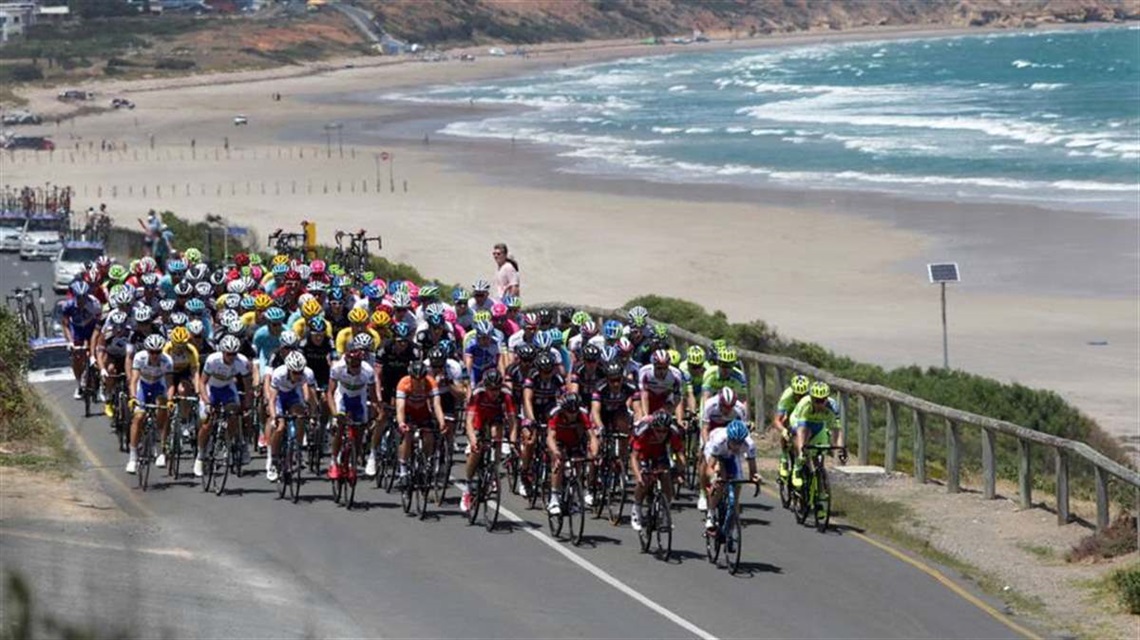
(611, 329)
(736, 431)
(458, 295)
(336, 293)
(275, 314)
(370, 291)
(555, 337)
(484, 328)
(176, 266)
(195, 306)
(402, 330)
(543, 341)
(80, 288)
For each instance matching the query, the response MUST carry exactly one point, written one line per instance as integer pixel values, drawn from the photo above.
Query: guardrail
(1064, 450)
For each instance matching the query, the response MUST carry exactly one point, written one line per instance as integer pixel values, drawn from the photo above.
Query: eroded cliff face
(530, 21)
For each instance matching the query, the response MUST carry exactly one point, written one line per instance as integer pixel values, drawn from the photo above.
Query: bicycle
(573, 507)
(610, 485)
(23, 303)
(814, 496)
(657, 524)
(222, 454)
(355, 257)
(692, 449)
(290, 460)
(727, 533)
(147, 443)
(120, 410)
(183, 405)
(344, 487)
(88, 383)
(442, 462)
(536, 479)
(486, 491)
(316, 441)
(387, 459)
(418, 484)
(784, 479)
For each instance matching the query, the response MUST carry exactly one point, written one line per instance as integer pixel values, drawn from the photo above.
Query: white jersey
(716, 416)
(221, 375)
(352, 385)
(668, 385)
(282, 382)
(152, 372)
(575, 342)
(518, 339)
(717, 446)
(452, 369)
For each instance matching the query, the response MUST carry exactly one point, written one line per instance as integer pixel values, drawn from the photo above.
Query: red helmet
(661, 356)
(241, 260)
(317, 267)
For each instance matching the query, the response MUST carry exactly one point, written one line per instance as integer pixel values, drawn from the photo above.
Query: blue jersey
(265, 344)
(483, 357)
(81, 313)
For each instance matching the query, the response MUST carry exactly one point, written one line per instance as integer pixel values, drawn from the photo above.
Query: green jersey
(806, 415)
(713, 381)
(788, 402)
(696, 383)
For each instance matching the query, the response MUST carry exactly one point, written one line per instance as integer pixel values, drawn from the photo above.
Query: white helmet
(154, 342)
(296, 361)
(229, 344)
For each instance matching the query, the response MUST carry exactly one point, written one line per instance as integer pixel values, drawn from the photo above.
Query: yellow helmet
(357, 315)
(800, 384)
(482, 316)
(311, 308)
(674, 357)
(179, 336)
(380, 318)
(820, 390)
(280, 259)
(696, 356)
(262, 301)
(727, 355)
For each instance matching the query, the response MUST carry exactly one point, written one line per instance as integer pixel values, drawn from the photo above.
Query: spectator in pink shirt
(507, 277)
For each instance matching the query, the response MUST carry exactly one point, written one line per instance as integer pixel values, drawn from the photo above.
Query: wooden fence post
(844, 412)
(890, 458)
(953, 457)
(1100, 477)
(989, 466)
(761, 385)
(864, 430)
(1024, 474)
(780, 384)
(1062, 461)
(919, 447)
(757, 394)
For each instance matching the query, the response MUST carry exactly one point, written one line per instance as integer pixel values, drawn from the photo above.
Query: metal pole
(377, 173)
(225, 244)
(945, 347)
(328, 142)
(391, 175)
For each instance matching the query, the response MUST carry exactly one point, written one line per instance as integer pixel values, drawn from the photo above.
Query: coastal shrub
(174, 64)
(1117, 540)
(1127, 584)
(21, 73)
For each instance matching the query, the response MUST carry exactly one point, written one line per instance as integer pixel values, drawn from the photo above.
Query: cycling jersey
(352, 389)
(546, 390)
(344, 337)
(807, 416)
(393, 362)
(716, 416)
(116, 341)
(483, 356)
(570, 431)
(265, 344)
(417, 397)
(662, 390)
(613, 399)
(151, 376)
(184, 359)
(288, 389)
(694, 382)
(220, 374)
(519, 338)
(587, 378)
(574, 344)
(82, 315)
(714, 382)
(717, 448)
(487, 410)
(787, 403)
(653, 446)
(317, 357)
(445, 379)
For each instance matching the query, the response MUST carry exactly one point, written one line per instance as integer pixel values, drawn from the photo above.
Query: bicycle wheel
(662, 527)
(492, 495)
(692, 453)
(337, 486)
(222, 459)
(122, 422)
(575, 509)
(648, 522)
(347, 475)
(732, 545)
(440, 471)
(423, 484)
(616, 494)
(86, 392)
(146, 449)
(282, 475)
(406, 493)
(295, 467)
(174, 450)
(600, 489)
(822, 501)
(785, 492)
(208, 464)
(803, 500)
(33, 316)
(713, 538)
(536, 482)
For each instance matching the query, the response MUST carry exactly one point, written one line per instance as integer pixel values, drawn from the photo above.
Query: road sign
(237, 231)
(943, 272)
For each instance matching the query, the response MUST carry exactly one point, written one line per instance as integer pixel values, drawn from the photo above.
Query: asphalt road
(247, 565)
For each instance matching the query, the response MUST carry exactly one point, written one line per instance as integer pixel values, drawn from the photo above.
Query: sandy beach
(1050, 298)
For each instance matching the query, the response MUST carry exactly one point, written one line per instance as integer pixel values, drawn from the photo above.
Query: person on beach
(507, 276)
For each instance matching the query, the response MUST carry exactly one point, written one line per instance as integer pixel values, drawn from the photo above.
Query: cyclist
(448, 375)
(184, 372)
(716, 414)
(660, 385)
(218, 387)
(480, 296)
(723, 453)
(587, 374)
(540, 397)
(81, 313)
(724, 374)
(353, 392)
(393, 359)
(290, 391)
(358, 323)
(151, 383)
(317, 348)
(654, 438)
(797, 389)
(612, 403)
(489, 407)
(693, 369)
(569, 433)
(484, 352)
(417, 403)
(812, 420)
(111, 351)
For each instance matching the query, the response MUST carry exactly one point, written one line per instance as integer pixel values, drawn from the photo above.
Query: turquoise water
(1047, 118)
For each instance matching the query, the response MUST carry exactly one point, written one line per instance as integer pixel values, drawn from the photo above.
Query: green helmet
(800, 384)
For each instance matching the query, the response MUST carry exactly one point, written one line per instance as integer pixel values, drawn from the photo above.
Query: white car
(42, 237)
(240, 120)
(11, 229)
(71, 261)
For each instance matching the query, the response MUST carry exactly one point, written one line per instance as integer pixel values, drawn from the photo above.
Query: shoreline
(864, 293)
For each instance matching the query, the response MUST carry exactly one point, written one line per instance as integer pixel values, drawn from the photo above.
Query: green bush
(21, 73)
(174, 64)
(1127, 584)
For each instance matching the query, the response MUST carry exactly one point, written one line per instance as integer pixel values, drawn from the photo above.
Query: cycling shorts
(730, 468)
(222, 395)
(480, 419)
(81, 335)
(612, 418)
(649, 464)
(354, 407)
(286, 400)
(658, 402)
(814, 429)
(149, 393)
(183, 376)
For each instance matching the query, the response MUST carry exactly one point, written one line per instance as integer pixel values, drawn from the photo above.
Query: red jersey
(570, 430)
(489, 410)
(651, 445)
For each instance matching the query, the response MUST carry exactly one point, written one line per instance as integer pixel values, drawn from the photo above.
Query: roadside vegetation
(1117, 540)
(29, 437)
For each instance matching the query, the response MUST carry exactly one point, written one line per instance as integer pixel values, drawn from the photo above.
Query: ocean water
(1045, 118)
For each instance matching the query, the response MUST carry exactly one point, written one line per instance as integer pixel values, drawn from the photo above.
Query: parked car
(34, 143)
(21, 117)
(240, 120)
(122, 103)
(42, 237)
(72, 260)
(11, 228)
(76, 94)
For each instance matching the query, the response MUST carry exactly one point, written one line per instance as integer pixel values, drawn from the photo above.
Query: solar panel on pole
(940, 273)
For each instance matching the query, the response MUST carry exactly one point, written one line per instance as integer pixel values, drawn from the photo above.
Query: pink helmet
(498, 311)
(624, 345)
(317, 267)
(449, 316)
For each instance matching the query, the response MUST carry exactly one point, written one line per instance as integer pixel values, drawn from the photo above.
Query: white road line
(605, 577)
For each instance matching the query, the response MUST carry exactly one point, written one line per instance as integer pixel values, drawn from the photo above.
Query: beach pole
(945, 341)
(940, 274)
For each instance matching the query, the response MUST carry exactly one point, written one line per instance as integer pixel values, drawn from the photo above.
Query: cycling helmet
(727, 356)
(247, 303)
(149, 280)
(79, 288)
(143, 313)
(800, 384)
(591, 353)
(449, 316)
(402, 331)
(429, 292)
(262, 301)
(545, 316)
(179, 336)
(292, 275)
(638, 312)
(303, 272)
(275, 315)
(543, 341)
(661, 356)
(674, 357)
(727, 397)
(370, 291)
(481, 286)
(289, 340)
(193, 255)
(231, 301)
(279, 271)
(736, 431)
(311, 308)
(317, 267)
(227, 316)
(609, 354)
(362, 341)
(555, 337)
(401, 300)
(179, 319)
(280, 259)
(357, 315)
(203, 289)
(512, 302)
(122, 297)
(660, 331)
(380, 318)
(458, 296)
(637, 322)
(819, 390)
(196, 327)
(611, 329)
(484, 328)
(579, 318)
(492, 379)
(117, 273)
(336, 294)
(662, 419)
(570, 403)
(437, 357)
(117, 317)
(544, 361)
(176, 267)
(317, 286)
(318, 325)
(526, 352)
(417, 369)
(720, 344)
(433, 317)
(296, 361)
(229, 344)
(613, 370)
(530, 320)
(695, 356)
(237, 285)
(624, 346)
(588, 330)
(154, 342)
(217, 278)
